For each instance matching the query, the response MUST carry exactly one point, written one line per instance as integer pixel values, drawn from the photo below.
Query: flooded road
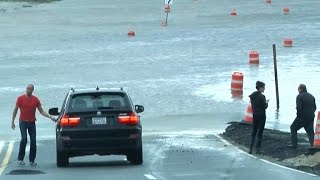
(180, 73)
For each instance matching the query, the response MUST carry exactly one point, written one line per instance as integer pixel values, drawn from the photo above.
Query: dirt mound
(304, 160)
(275, 147)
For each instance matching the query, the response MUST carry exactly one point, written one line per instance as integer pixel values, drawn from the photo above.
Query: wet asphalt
(167, 156)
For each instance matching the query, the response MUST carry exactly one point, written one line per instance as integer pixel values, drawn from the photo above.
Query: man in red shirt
(28, 104)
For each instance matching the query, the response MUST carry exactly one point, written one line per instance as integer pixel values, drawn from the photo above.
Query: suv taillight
(67, 121)
(131, 119)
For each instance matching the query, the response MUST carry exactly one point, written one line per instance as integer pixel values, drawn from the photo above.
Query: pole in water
(167, 17)
(166, 10)
(165, 23)
(276, 74)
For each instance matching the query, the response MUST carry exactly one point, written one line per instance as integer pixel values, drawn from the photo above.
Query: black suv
(98, 121)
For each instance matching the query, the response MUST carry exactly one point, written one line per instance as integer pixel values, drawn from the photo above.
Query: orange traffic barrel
(286, 10)
(254, 57)
(237, 82)
(237, 94)
(131, 33)
(316, 143)
(248, 117)
(233, 12)
(268, 1)
(287, 42)
(166, 8)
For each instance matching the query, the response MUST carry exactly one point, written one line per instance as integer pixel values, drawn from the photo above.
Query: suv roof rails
(98, 88)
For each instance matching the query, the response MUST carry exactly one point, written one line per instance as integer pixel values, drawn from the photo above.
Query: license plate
(99, 120)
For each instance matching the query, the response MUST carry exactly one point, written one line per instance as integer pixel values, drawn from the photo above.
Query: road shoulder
(275, 148)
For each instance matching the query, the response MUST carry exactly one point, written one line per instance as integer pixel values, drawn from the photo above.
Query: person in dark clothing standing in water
(259, 106)
(306, 106)
(28, 104)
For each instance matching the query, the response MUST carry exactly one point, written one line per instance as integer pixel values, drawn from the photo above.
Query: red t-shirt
(28, 106)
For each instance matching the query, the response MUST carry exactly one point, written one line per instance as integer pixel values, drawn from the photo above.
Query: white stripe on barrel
(254, 57)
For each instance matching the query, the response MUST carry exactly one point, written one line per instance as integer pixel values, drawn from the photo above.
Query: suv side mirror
(54, 111)
(139, 108)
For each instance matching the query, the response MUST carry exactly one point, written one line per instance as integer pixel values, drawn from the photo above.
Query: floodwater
(180, 73)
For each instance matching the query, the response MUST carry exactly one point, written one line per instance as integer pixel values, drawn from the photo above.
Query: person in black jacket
(306, 106)
(259, 106)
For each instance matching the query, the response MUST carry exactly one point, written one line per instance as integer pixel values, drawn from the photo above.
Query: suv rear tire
(62, 159)
(136, 157)
(62, 156)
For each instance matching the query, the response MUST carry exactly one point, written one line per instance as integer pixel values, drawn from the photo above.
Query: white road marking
(284, 167)
(1, 146)
(7, 157)
(266, 161)
(149, 176)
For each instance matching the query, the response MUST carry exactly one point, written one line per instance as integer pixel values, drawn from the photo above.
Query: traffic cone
(248, 117)
(316, 142)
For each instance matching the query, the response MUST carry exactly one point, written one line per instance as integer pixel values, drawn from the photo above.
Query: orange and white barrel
(248, 117)
(237, 94)
(287, 42)
(131, 33)
(237, 83)
(166, 8)
(233, 12)
(316, 143)
(254, 57)
(286, 10)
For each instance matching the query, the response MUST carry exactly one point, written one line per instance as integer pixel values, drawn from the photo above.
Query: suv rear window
(98, 101)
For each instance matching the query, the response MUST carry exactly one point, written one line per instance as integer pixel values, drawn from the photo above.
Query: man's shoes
(33, 163)
(21, 163)
(250, 151)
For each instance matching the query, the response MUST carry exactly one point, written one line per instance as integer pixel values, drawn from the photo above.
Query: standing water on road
(180, 73)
